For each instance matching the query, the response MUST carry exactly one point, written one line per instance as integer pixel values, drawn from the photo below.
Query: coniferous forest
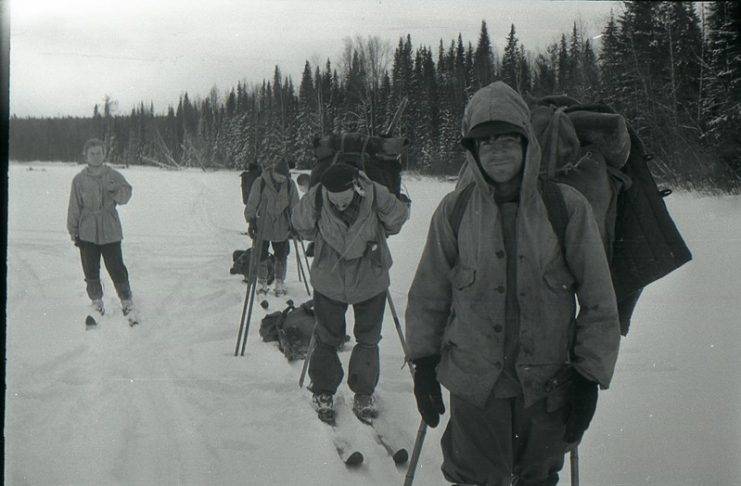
(672, 68)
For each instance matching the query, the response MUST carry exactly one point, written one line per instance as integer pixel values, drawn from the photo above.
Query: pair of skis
(91, 322)
(383, 432)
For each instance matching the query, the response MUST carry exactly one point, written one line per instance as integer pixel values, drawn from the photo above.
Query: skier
(348, 216)
(271, 200)
(94, 225)
(491, 312)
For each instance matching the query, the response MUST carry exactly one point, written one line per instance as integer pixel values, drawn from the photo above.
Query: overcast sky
(66, 55)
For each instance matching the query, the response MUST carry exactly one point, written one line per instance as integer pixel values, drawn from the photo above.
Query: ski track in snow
(166, 402)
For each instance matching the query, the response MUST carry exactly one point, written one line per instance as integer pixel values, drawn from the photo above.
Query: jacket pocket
(462, 277)
(558, 389)
(374, 255)
(559, 279)
(319, 253)
(557, 312)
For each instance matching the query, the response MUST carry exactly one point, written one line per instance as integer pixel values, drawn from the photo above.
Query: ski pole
(397, 323)
(244, 311)
(301, 268)
(306, 259)
(575, 466)
(421, 432)
(309, 350)
(258, 258)
(298, 260)
(247, 296)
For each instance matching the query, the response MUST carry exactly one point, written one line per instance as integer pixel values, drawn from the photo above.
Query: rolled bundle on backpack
(606, 131)
(327, 145)
(377, 157)
(559, 143)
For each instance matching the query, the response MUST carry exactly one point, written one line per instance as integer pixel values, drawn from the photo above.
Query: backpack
(594, 150)
(241, 264)
(378, 157)
(249, 177)
(291, 328)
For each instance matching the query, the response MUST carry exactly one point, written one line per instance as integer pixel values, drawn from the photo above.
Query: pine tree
(509, 60)
(610, 63)
(524, 77)
(470, 71)
(544, 82)
(306, 93)
(590, 73)
(575, 73)
(564, 67)
(723, 103)
(689, 50)
(483, 59)
(231, 104)
(643, 58)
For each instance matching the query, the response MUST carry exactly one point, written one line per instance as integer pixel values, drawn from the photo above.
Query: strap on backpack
(318, 200)
(555, 205)
(459, 208)
(558, 214)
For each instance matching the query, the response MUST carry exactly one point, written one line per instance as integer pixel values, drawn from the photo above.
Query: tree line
(673, 69)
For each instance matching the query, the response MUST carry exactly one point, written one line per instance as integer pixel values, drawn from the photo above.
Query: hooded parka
(272, 208)
(456, 304)
(351, 264)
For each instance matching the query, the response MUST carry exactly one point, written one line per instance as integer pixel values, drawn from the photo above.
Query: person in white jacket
(94, 225)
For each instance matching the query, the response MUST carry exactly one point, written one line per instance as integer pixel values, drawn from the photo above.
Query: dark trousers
(325, 369)
(90, 254)
(281, 250)
(504, 440)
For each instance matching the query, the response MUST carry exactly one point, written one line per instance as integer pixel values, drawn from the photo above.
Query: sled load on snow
(291, 328)
(593, 149)
(241, 264)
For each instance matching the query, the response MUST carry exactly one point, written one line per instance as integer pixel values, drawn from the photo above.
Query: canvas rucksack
(241, 264)
(291, 328)
(378, 157)
(594, 150)
(249, 177)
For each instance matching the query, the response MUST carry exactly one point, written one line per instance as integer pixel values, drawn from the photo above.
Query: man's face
(501, 156)
(304, 188)
(95, 155)
(277, 177)
(341, 200)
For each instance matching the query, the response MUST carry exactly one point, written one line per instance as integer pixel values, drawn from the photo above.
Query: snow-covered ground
(168, 403)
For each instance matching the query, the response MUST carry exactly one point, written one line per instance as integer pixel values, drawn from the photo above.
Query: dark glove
(582, 404)
(76, 240)
(310, 249)
(405, 199)
(251, 228)
(427, 390)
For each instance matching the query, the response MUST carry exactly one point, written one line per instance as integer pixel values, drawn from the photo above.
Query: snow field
(168, 403)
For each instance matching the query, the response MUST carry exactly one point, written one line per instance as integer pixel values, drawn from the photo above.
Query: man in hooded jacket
(348, 216)
(271, 200)
(491, 312)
